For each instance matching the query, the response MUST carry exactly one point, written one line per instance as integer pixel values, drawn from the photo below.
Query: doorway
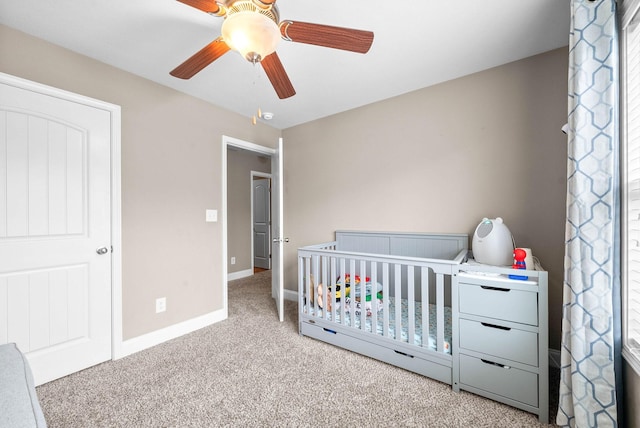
(273, 157)
(247, 237)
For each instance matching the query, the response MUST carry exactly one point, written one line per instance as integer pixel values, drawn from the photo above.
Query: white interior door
(277, 208)
(261, 195)
(55, 232)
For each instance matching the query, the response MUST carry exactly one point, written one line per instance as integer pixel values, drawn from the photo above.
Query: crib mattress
(404, 331)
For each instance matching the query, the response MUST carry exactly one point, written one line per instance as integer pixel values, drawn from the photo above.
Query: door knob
(103, 250)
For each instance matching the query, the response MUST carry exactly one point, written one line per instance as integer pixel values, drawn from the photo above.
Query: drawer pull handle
(486, 287)
(330, 331)
(403, 353)
(500, 327)
(495, 364)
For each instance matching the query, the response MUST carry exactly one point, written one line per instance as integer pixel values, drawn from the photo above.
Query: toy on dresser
(519, 256)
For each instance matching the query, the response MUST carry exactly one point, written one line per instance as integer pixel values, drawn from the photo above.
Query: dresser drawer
(508, 382)
(509, 343)
(500, 303)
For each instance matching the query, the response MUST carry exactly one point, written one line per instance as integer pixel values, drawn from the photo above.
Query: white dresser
(501, 346)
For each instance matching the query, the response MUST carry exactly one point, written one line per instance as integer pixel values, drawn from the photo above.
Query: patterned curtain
(590, 393)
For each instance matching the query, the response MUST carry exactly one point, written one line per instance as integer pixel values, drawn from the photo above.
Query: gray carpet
(251, 370)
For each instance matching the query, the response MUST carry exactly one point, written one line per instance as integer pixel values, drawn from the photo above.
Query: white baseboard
(554, 358)
(240, 274)
(290, 295)
(140, 343)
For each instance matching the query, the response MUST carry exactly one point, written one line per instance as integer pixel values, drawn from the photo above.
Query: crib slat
(316, 278)
(343, 269)
(424, 288)
(363, 296)
(385, 299)
(440, 311)
(374, 298)
(331, 280)
(308, 287)
(411, 328)
(398, 300)
(324, 280)
(301, 285)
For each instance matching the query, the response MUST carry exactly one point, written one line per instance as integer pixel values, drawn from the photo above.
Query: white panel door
(277, 208)
(55, 231)
(261, 223)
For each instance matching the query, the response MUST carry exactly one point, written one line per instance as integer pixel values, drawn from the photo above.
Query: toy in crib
(357, 305)
(338, 288)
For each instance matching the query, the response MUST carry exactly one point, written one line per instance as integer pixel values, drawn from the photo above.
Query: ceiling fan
(253, 28)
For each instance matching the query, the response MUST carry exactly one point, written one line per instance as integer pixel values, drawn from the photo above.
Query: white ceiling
(417, 43)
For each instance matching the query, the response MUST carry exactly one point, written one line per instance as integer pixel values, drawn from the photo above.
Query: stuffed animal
(329, 296)
(358, 303)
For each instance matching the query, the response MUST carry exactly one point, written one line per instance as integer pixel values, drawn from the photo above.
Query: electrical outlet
(233, 260)
(161, 304)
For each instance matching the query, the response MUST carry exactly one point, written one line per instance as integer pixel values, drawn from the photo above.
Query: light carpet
(253, 371)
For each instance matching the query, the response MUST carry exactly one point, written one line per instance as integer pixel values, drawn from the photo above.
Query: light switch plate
(211, 215)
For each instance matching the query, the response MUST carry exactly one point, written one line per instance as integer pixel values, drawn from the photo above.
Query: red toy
(518, 263)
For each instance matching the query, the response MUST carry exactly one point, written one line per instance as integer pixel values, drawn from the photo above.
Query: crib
(420, 302)
(384, 295)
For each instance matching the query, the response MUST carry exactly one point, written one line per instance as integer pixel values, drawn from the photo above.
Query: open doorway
(248, 211)
(272, 156)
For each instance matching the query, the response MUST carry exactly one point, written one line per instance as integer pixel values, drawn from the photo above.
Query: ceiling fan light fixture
(252, 34)
(251, 28)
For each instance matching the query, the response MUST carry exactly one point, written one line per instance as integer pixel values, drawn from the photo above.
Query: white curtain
(590, 392)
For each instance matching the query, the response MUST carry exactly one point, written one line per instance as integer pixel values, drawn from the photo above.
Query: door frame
(245, 145)
(258, 174)
(116, 190)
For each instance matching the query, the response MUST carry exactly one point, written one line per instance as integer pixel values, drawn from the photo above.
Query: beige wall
(240, 163)
(483, 145)
(439, 160)
(171, 173)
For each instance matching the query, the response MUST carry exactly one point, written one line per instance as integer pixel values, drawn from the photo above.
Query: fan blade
(209, 6)
(347, 39)
(201, 59)
(278, 76)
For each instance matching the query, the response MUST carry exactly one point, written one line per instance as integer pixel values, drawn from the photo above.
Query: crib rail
(421, 283)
